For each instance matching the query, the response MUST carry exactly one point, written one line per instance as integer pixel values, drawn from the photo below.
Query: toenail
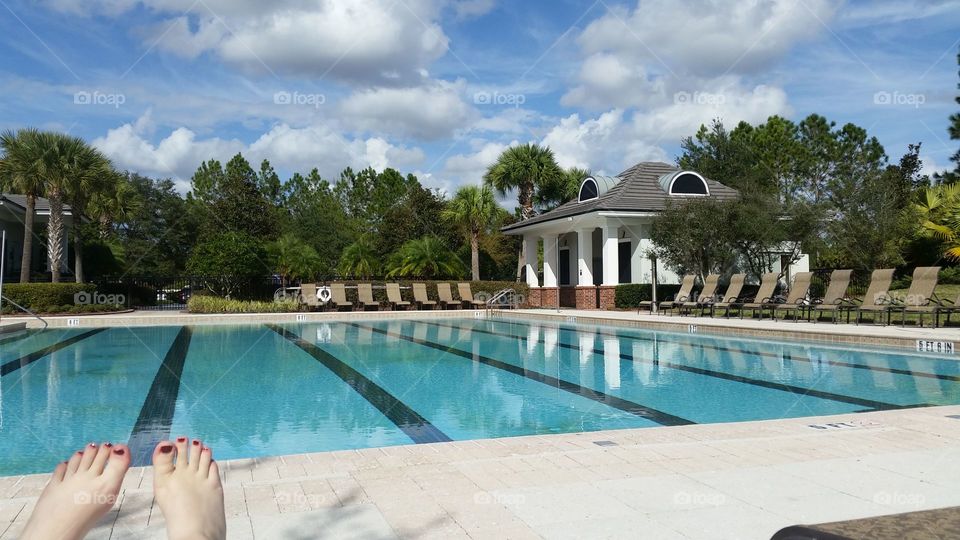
(166, 449)
(108, 445)
(181, 439)
(196, 443)
(93, 445)
(119, 451)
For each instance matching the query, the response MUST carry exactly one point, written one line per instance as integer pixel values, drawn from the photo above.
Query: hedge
(214, 304)
(40, 296)
(629, 295)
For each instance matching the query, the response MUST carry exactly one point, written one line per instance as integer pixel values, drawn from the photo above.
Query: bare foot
(188, 490)
(81, 491)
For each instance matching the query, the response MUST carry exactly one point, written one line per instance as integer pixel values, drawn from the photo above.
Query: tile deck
(740, 480)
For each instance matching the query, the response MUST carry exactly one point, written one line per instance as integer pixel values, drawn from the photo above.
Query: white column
(585, 257)
(611, 252)
(550, 260)
(530, 259)
(573, 253)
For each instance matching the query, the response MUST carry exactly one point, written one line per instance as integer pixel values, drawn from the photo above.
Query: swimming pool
(258, 390)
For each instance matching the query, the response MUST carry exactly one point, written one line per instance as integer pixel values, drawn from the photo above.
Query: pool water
(260, 390)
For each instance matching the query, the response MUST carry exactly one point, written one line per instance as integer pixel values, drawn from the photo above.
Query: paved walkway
(742, 480)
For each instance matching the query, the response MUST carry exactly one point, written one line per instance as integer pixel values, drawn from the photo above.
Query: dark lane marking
(156, 415)
(660, 417)
(25, 334)
(26, 360)
(786, 356)
(796, 390)
(408, 420)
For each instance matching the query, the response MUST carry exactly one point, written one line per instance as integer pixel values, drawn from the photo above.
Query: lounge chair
(395, 298)
(921, 297)
(308, 296)
(446, 296)
(365, 297)
(764, 297)
(877, 299)
(731, 298)
(706, 297)
(835, 299)
(938, 523)
(683, 295)
(797, 300)
(466, 297)
(420, 296)
(338, 297)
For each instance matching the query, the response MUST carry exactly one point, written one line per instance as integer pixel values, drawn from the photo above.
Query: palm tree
(21, 172)
(474, 210)
(526, 168)
(938, 209)
(88, 173)
(293, 258)
(360, 259)
(426, 257)
(117, 201)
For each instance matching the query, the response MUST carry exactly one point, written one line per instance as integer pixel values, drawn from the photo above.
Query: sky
(439, 88)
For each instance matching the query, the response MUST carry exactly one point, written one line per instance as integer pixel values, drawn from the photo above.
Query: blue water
(258, 390)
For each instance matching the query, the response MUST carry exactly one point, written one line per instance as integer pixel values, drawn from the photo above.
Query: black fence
(859, 282)
(172, 293)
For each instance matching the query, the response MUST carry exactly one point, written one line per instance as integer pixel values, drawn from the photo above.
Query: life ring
(324, 294)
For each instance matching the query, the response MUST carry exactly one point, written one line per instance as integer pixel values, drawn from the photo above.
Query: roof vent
(684, 184)
(593, 187)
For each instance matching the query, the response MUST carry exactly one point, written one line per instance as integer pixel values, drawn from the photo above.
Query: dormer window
(685, 184)
(588, 190)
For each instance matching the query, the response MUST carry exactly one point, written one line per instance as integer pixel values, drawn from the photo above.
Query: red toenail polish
(108, 445)
(93, 445)
(119, 451)
(181, 439)
(196, 443)
(166, 449)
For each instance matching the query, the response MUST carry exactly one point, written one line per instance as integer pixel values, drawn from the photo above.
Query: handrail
(27, 311)
(497, 300)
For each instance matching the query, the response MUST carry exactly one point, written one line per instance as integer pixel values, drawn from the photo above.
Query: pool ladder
(502, 299)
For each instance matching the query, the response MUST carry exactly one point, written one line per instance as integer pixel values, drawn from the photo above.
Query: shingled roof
(42, 204)
(639, 190)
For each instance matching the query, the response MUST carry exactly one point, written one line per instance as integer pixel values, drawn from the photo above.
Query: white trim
(678, 174)
(596, 188)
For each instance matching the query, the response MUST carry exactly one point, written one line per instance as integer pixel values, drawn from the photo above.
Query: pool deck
(741, 480)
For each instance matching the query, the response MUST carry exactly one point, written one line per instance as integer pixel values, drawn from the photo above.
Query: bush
(213, 304)
(40, 296)
(950, 276)
(629, 295)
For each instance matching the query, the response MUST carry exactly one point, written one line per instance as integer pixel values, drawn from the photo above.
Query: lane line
(636, 409)
(796, 390)
(28, 359)
(418, 428)
(156, 415)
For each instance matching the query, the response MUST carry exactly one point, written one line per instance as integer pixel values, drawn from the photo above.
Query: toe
(100, 461)
(89, 454)
(195, 449)
(59, 472)
(182, 453)
(74, 463)
(119, 462)
(214, 473)
(203, 464)
(163, 456)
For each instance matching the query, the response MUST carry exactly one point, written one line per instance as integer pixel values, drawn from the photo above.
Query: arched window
(588, 190)
(688, 184)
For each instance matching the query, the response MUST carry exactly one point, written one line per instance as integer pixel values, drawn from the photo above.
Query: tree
(227, 260)
(937, 212)
(474, 211)
(564, 188)
(231, 199)
(524, 168)
(360, 259)
(91, 175)
(293, 258)
(954, 130)
(425, 257)
(20, 172)
(694, 237)
(313, 214)
(156, 235)
(415, 214)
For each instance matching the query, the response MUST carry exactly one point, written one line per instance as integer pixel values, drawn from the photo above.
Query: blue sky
(441, 87)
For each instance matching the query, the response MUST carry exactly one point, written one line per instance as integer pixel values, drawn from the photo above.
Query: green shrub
(629, 295)
(213, 304)
(950, 276)
(42, 295)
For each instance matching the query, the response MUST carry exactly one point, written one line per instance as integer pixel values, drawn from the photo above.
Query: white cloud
(467, 9)
(607, 80)
(470, 168)
(428, 112)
